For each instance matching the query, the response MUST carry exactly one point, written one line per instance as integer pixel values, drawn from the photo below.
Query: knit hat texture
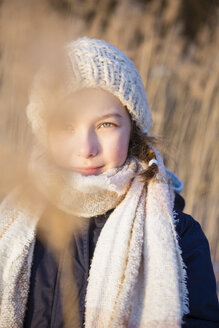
(96, 63)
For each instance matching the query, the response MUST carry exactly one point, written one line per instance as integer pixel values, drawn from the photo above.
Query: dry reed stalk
(181, 86)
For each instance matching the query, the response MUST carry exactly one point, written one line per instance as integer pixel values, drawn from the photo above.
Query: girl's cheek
(60, 147)
(116, 149)
(122, 149)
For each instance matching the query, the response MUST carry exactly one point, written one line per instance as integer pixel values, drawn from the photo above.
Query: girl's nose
(87, 145)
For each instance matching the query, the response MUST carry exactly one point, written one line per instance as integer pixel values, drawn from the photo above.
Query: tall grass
(180, 77)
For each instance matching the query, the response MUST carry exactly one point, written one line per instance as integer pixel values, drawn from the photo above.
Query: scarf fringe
(137, 276)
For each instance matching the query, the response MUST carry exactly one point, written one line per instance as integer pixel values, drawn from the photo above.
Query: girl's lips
(88, 170)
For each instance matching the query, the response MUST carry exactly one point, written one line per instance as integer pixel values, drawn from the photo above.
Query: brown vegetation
(173, 43)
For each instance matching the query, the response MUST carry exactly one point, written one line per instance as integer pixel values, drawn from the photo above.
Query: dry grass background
(173, 44)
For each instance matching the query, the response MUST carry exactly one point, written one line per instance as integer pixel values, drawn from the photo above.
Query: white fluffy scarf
(137, 277)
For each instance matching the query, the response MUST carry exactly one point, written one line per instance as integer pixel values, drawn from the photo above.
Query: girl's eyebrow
(109, 115)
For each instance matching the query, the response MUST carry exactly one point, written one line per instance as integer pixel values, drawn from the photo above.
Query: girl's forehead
(92, 103)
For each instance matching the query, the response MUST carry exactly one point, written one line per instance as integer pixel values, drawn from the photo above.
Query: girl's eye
(67, 127)
(106, 125)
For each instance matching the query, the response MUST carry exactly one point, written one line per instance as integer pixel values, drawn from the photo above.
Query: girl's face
(93, 134)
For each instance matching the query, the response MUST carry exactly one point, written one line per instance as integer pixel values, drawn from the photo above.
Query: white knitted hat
(96, 63)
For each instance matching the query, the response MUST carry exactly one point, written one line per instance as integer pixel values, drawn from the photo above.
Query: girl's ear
(131, 137)
(132, 123)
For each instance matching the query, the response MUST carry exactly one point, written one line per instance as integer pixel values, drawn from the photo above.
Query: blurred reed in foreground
(176, 56)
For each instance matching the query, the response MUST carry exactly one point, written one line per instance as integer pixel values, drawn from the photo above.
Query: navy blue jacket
(45, 308)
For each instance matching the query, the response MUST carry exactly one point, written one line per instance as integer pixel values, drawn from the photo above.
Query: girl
(135, 260)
